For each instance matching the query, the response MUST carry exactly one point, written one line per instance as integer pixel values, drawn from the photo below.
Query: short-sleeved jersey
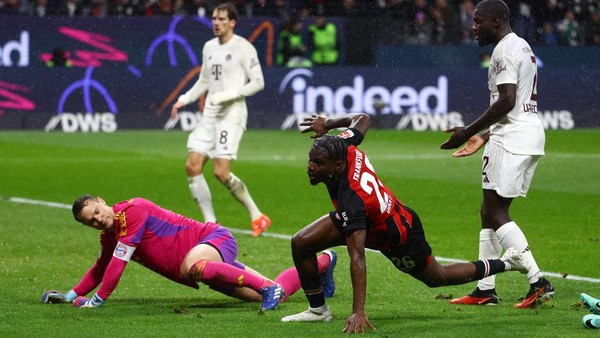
(362, 201)
(155, 237)
(233, 65)
(521, 131)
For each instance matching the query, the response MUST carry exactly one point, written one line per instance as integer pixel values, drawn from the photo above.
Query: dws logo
(91, 121)
(21, 47)
(399, 100)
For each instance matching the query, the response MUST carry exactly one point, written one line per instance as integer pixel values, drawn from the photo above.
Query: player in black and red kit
(367, 215)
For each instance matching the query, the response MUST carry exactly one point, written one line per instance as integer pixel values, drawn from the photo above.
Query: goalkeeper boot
(478, 297)
(271, 295)
(327, 276)
(591, 303)
(260, 225)
(540, 291)
(591, 321)
(310, 315)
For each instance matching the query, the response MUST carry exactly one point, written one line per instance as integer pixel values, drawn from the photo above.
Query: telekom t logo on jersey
(216, 71)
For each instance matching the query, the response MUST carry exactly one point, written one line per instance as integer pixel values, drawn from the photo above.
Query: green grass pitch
(42, 247)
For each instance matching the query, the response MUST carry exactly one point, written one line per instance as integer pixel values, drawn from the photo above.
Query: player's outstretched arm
(474, 143)
(321, 125)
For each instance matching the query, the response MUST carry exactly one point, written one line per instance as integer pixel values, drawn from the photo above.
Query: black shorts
(414, 255)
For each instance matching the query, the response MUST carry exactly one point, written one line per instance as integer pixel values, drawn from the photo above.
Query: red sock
(219, 272)
(289, 280)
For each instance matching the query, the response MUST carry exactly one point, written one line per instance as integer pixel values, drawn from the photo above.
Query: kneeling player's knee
(299, 245)
(434, 283)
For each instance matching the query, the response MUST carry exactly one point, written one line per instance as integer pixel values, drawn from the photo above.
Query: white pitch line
(287, 237)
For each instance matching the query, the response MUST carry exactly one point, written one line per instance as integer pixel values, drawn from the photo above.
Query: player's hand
(357, 322)
(457, 138)
(86, 302)
(473, 145)
(315, 123)
(175, 109)
(54, 297)
(219, 98)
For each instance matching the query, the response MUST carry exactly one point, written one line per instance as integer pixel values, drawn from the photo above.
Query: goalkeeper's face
(97, 215)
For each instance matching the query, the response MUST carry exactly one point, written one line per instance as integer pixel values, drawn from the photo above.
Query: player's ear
(101, 200)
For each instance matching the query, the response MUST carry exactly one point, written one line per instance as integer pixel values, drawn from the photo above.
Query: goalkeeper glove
(221, 97)
(86, 302)
(53, 296)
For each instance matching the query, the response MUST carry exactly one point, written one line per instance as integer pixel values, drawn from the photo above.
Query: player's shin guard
(488, 267)
(212, 272)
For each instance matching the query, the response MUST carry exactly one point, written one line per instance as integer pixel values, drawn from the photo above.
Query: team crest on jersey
(346, 134)
(228, 57)
(121, 250)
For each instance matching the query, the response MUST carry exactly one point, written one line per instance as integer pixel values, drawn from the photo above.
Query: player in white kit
(230, 72)
(514, 144)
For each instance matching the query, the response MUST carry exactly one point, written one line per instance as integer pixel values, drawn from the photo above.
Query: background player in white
(515, 143)
(230, 72)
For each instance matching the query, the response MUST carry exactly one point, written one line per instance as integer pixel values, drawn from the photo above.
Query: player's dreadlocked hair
(80, 203)
(334, 145)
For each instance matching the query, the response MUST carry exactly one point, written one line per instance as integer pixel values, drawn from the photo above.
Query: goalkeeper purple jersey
(155, 237)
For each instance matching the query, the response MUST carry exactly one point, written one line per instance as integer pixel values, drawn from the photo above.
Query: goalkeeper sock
(202, 196)
(289, 280)
(212, 272)
(240, 192)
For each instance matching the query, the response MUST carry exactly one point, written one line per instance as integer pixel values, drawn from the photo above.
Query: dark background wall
(128, 72)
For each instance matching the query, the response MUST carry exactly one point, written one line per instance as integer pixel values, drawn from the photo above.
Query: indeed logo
(21, 47)
(356, 98)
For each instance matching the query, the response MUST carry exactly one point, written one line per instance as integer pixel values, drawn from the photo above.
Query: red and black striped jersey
(362, 201)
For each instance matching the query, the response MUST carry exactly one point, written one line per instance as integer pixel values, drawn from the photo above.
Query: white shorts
(508, 174)
(216, 138)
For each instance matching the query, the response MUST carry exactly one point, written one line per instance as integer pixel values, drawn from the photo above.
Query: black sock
(488, 267)
(315, 298)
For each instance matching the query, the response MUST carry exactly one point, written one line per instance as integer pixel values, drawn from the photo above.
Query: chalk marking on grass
(286, 237)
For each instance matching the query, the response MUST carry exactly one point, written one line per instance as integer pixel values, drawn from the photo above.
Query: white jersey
(232, 66)
(521, 131)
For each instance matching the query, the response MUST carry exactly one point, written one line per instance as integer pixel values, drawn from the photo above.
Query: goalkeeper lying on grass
(182, 249)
